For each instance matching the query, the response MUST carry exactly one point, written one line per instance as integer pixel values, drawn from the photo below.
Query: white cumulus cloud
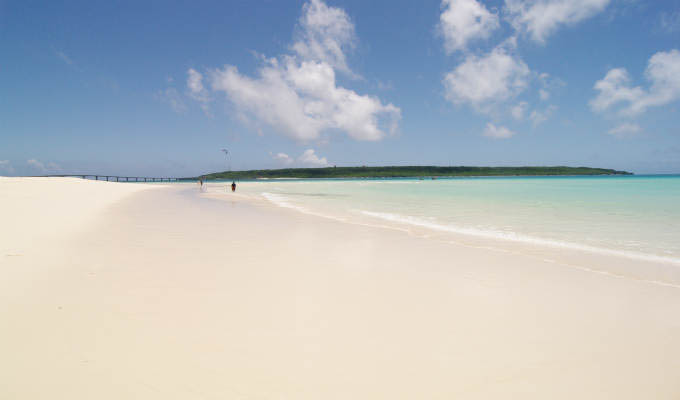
(493, 78)
(497, 132)
(614, 88)
(298, 96)
(302, 99)
(663, 73)
(283, 158)
(310, 158)
(540, 18)
(462, 21)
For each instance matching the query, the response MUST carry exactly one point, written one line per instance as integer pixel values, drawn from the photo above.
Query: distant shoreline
(411, 172)
(444, 177)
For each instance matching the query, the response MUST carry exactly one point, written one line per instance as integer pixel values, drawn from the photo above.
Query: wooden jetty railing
(115, 178)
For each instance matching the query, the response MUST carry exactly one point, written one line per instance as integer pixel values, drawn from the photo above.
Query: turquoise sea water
(637, 216)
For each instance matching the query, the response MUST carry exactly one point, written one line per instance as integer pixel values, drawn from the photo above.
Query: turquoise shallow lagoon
(637, 216)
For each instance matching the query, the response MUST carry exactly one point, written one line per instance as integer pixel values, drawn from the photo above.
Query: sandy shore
(116, 291)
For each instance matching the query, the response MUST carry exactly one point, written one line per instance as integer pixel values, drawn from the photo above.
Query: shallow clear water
(638, 215)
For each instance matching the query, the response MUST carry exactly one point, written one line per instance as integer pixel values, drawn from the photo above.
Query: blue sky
(159, 87)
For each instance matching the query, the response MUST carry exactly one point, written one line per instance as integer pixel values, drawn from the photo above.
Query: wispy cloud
(36, 164)
(624, 130)
(6, 166)
(670, 21)
(172, 97)
(519, 110)
(63, 57)
(548, 84)
(385, 85)
(41, 167)
(538, 117)
(541, 18)
(66, 59)
(325, 34)
(196, 89)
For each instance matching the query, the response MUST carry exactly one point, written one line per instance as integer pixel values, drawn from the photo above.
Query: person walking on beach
(233, 186)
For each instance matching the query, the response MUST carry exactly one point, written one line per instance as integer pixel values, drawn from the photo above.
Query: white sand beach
(134, 291)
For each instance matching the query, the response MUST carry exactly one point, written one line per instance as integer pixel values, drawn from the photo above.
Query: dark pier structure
(114, 178)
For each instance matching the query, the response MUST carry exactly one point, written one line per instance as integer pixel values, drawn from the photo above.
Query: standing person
(233, 186)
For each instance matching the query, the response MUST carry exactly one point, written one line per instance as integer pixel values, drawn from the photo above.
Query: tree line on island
(408, 172)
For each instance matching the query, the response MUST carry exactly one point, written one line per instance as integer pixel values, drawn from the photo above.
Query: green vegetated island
(409, 172)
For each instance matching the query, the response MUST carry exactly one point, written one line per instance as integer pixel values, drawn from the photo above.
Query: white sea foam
(282, 201)
(403, 222)
(515, 237)
(632, 219)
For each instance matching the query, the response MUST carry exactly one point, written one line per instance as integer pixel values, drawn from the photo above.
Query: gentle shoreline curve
(652, 268)
(174, 294)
